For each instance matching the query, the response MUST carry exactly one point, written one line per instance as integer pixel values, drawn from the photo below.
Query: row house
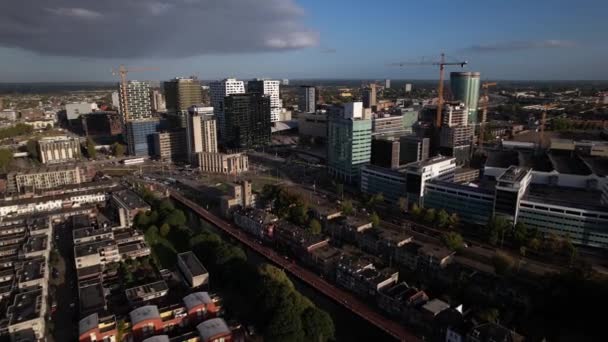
(256, 222)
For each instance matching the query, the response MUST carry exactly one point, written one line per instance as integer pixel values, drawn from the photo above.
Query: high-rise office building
(247, 120)
(307, 99)
(170, 146)
(370, 96)
(140, 136)
(74, 110)
(285, 81)
(408, 87)
(182, 93)
(158, 101)
(387, 84)
(465, 88)
(385, 152)
(201, 132)
(137, 99)
(116, 100)
(218, 90)
(413, 148)
(270, 88)
(456, 134)
(349, 139)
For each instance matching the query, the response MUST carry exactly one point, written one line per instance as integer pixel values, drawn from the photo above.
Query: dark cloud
(153, 28)
(521, 45)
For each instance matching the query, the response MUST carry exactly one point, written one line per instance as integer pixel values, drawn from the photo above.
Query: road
(67, 293)
(342, 297)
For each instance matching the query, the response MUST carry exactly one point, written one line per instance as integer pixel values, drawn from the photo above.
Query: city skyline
(299, 39)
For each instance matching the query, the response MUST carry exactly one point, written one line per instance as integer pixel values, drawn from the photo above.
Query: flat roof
(436, 251)
(598, 165)
(194, 265)
(130, 199)
(435, 306)
(32, 269)
(568, 197)
(26, 306)
(92, 248)
(88, 323)
(90, 231)
(138, 292)
(35, 243)
(568, 163)
(91, 297)
(514, 174)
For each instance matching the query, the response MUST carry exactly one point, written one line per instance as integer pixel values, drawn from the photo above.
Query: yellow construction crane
(486, 100)
(122, 72)
(442, 63)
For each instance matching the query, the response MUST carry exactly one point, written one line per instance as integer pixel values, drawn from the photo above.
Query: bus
(133, 161)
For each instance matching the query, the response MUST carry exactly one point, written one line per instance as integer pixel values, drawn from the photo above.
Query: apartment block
(59, 149)
(170, 146)
(45, 178)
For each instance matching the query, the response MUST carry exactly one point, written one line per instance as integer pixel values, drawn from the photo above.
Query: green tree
(317, 324)
(442, 218)
(6, 158)
(91, 152)
(32, 149)
(520, 234)
(452, 241)
(454, 220)
(340, 190)
(429, 216)
(402, 203)
(489, 315)
(375, 219)
(503, 263)
(347, 207)
(315, 227)
(142, 220)
(285, 324)
(416, 211)
(496, 229)
(298, 214)
(118, 149)
(176, 218)
(165, 229)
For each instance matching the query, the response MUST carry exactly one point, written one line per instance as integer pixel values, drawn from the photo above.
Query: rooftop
(514, 174)
(194, 265)
(90, 231)
(144, 313)
(211, 328)
(197, 298)
(258, 215)
(139, 292)
(564, 196)
(435, 251)
(88, 323)
(31, 269)
(91, 297)
(435, 306)
(130, 199)
(92, 248)
(35, 243)
(26, 306)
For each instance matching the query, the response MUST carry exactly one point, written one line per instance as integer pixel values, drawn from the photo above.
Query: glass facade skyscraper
(349, 146)
(140, 136)
(465, 88)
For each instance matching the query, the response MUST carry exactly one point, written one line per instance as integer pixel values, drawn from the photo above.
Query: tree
(489, 315)
(429, 216)
(315, 227)
(176, 218)
(442, 218)
(6, 158)
(534, 244)
(402, 203)
(165, 229)
(142, 220)
(520, 234)
(347, 207)
(496, 228)
(452, 241)
(298, 214)
(285, 324)
(454, 220)
(340, 190)
(375, 219)
(118, 149)
(91, 152)
(317, 325)
(32, 149)
(503, 263)
(416, 211)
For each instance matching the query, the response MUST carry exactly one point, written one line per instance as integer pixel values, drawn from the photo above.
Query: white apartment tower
(270, 88)
(138, 101)
(218, 90)
(201, 131)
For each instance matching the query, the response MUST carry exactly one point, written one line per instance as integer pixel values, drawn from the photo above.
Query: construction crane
(442, 63)
(486, 100)
(122, 72)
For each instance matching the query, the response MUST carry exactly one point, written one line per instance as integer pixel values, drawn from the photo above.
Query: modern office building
(74, 110)
(387, 84)
(307, 99)
(370, 96)
(383, 124)
(417, 174)
(271, 89)
(465, 88)
(247, 120)
(46, 178)
(138, 100)
(413, 149)
(349, 139)
(408, 87)
(511, 187)
(102, 124)
(201, 132)
(388, 182)
(59, 149)
(456, 134)
(140, 136)
(218, 91)
(386, 152)
(285, 81)
(170, 146)
(158, 101)
(182, 93)
(473, 205)
(313, 125)
(228, 164)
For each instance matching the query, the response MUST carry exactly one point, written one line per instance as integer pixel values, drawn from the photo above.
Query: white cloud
(75, 12)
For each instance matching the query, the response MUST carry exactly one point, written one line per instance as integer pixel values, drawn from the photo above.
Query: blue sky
(514, 39)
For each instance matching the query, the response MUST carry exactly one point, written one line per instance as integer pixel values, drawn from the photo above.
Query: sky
(81, 40)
